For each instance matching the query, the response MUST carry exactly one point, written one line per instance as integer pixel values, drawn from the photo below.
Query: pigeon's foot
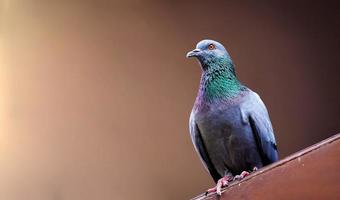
(241, 176)
(244, 174)
(223, 182)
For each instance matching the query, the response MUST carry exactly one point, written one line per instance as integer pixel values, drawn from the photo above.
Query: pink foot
(241, 176)
(220, 184)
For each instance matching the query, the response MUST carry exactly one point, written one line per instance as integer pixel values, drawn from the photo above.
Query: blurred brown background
(95, 95)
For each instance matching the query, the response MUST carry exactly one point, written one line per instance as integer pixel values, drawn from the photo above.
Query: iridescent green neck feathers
(219, 80)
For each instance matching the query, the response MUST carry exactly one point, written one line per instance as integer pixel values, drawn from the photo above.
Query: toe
(244, 174)
(224, 183)
(237, 178)
(220, 184)
(210, 190)
(225, 180)
(241, 176)
(219, 187)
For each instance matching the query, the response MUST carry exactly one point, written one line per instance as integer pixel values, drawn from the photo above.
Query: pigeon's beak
(193, 53)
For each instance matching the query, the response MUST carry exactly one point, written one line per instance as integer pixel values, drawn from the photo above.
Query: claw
(223, 182)
(210, 190)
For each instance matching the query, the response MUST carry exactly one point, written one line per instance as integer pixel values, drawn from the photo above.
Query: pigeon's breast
(226, 135)
(217, 125)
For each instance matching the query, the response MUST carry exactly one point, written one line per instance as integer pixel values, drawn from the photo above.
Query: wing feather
(200, 148)
(262, 129)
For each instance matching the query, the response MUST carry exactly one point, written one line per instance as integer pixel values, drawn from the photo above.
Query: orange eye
(211, 47)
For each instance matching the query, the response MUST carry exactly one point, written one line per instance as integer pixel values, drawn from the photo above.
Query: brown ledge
(312, 173)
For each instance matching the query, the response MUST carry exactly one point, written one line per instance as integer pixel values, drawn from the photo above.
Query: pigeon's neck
(219, 83)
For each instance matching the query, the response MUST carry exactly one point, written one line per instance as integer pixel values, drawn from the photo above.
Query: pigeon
(229, 124)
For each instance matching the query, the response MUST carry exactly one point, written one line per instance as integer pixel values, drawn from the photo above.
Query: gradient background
(95, 95)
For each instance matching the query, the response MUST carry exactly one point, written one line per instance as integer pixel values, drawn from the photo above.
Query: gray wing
(262, 129)
(201, 149)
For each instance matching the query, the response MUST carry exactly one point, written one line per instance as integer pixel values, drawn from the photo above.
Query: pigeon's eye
(211, 47)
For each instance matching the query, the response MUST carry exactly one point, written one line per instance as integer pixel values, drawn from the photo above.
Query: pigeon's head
(209, 52)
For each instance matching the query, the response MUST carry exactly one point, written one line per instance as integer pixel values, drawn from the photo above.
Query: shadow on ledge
(313, 173)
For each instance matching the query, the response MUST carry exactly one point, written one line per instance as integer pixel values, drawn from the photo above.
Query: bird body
(229, 124)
